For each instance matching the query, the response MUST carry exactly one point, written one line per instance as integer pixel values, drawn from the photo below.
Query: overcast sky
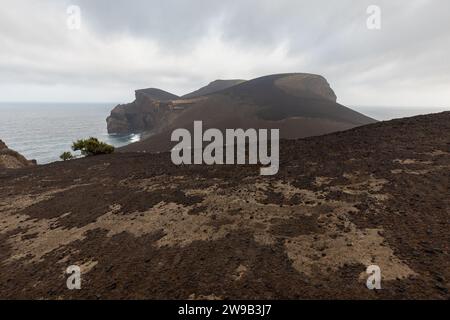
(180, 45)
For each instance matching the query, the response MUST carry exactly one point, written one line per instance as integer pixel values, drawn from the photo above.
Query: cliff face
(10, 159)
(156, 94)
(151, 106)
(273, 98)
(143, 114)
(307, 85)
(299, 105)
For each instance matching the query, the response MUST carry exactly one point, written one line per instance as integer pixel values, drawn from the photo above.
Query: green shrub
(92, 147)
(66, 156)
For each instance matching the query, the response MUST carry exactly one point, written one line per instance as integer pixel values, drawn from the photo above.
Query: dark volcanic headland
(143, 228)
(300, 105)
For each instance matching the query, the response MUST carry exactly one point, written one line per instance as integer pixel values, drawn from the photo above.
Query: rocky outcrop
(10, 159)
(214, 86)
(273, 98)
(299, 105)
(156, 94)
(148, 111)
(142, 114)
(307, 85)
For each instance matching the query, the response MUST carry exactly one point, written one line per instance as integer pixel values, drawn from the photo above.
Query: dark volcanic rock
(299, 105)
(142, 228)
(144, 114)
(214, 86)
(305, 102)
(156, 94)
(10, 159)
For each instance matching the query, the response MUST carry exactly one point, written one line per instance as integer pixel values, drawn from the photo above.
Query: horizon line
(117, 103)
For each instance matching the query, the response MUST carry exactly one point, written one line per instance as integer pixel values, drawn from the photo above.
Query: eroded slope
(142, 228)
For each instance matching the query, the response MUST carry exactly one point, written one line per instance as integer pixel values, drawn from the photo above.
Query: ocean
(43, 131)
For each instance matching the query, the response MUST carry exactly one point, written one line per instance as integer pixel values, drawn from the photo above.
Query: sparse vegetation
(92, 147)
(65, 156)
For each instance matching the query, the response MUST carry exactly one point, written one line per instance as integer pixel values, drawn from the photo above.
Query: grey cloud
(327, 37)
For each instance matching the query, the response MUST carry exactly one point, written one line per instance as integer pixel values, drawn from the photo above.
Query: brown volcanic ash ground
(140, 227)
